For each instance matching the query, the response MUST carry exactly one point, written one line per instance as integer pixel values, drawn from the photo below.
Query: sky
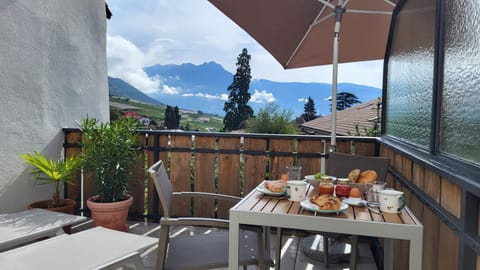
(149, 32)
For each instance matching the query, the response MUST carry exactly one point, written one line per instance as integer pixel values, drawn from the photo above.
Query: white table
(261, 210)
(96, 248)
(25, 226)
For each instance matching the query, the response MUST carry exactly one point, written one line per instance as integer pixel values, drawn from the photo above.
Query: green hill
(190, 121)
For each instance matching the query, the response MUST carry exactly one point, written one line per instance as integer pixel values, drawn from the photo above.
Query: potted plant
(56, 173)
(108, 152)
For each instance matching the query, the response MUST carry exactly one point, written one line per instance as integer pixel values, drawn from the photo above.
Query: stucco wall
(52, 73)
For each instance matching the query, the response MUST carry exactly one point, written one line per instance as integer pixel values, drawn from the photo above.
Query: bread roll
(368, 176)
(353, 175)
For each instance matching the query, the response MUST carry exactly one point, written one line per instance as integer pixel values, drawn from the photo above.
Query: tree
(346, 100)
(309, 110)
(236, 108)
(271, 120)
(172, 117)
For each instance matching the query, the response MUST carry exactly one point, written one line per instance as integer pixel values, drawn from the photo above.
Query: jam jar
(342, 189)
(326, 186)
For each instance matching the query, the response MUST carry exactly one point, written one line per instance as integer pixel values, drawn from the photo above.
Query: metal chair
(339, 164)
(201, 251)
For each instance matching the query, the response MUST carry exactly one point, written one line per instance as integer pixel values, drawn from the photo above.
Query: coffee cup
(297, 190)
(391, 201)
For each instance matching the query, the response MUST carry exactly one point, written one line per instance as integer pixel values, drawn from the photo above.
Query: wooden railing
(235, 163)
(228, 163)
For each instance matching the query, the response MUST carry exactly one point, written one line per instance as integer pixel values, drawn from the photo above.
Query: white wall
(52, 73)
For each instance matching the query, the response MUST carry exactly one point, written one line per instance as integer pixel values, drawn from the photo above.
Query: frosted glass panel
(460, 119)
(410, 74)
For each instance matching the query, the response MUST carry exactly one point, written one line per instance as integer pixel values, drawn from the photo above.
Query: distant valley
(204, 88)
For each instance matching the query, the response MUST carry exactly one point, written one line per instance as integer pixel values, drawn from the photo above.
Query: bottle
(326, 186)
(343, 188)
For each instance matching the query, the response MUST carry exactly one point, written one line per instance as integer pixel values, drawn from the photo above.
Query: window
(460, 113)
(410, 74)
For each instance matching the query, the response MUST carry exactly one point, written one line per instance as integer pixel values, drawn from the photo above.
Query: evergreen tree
(346, 100)
(236, 107)
(272, 120)
(309, 112)
(172, 117)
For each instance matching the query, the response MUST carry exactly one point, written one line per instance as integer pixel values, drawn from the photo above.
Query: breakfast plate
(308, 205)
(355, 202)
(261, 188)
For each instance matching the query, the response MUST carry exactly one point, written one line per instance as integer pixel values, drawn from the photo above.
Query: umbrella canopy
(302, 33)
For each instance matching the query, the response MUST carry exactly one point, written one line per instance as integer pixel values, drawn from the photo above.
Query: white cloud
(207, 96)
(303, 100)
(262, 97)
(126, 61)
(191, 31)
(170, 90)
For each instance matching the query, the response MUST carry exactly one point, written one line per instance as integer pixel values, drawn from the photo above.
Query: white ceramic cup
(297, 190)
(391, 201)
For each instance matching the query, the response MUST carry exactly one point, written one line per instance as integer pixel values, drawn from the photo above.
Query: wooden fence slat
(204, 176)
(136, 183)
(180, 174)
(73, 191)
(229, 175)
(448, 242)
(364, 149)
(254, 165)
(310, 165)
(432, 185)
(430, 240)
(278, 163)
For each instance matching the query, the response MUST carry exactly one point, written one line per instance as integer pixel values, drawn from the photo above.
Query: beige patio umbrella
(302, 33)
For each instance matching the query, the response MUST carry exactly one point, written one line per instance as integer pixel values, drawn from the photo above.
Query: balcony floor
(292, 258)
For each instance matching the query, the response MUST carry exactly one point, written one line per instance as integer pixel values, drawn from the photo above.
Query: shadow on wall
(17, 192)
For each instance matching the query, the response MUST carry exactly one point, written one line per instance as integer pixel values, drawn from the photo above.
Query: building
(363, 116)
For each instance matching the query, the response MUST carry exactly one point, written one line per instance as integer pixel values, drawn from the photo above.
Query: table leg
(233, 239)
(278, 248)
(416, 245)
(388, 254)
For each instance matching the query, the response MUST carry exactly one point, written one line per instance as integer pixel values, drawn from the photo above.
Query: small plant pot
(67, 206)
(110, 215)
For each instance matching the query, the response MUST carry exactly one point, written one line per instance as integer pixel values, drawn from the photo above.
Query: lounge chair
(96, 248)
(200, 251)
(20, 228)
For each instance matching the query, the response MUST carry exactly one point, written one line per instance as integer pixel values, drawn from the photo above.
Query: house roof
(362, 114)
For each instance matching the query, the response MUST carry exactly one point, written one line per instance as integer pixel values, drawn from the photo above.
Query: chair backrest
(339, 165)
(163, 186)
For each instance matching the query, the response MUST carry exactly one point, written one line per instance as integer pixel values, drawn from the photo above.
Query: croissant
(276, 185)
(326, 202)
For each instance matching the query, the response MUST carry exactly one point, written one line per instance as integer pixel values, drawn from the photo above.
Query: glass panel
(460, 119)
(410, 74)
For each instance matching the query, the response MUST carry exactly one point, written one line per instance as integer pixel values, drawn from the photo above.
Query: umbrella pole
(339, 10)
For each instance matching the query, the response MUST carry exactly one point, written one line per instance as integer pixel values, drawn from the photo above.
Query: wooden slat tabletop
(257, 208)
(260, 202)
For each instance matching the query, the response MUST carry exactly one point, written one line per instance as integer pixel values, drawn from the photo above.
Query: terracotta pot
(67, 206)
(110, 215)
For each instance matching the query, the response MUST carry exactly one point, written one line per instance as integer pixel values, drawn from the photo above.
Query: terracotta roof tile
(346, 120)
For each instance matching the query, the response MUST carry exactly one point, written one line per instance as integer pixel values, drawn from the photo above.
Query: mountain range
(204, 88)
